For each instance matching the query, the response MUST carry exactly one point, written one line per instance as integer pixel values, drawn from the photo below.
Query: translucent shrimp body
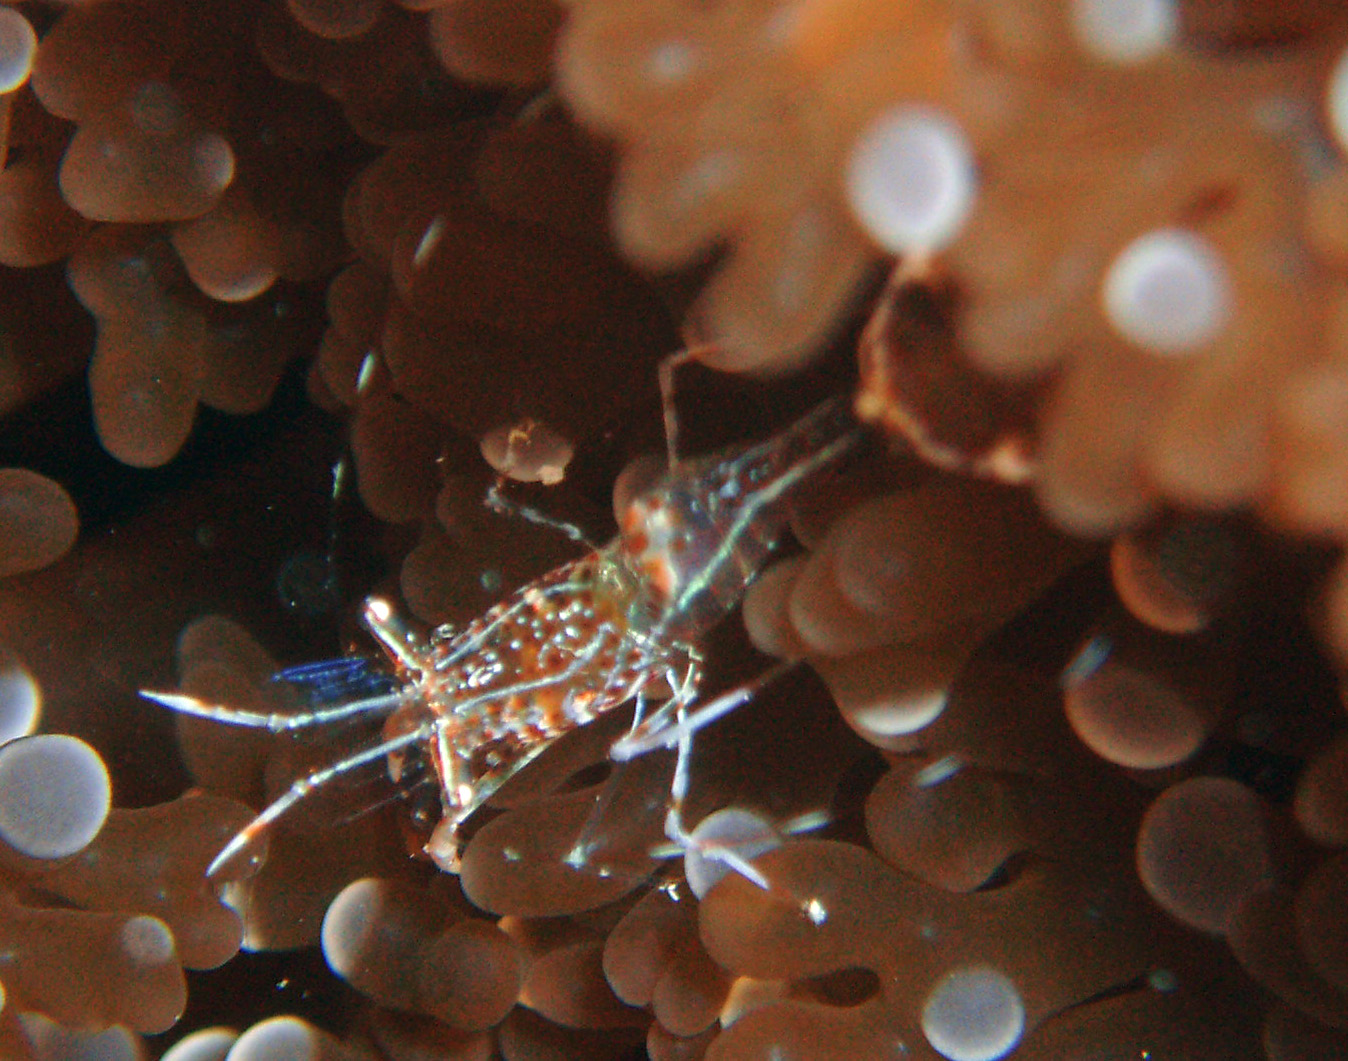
(488, 698)
(699, 537)
(482, 701)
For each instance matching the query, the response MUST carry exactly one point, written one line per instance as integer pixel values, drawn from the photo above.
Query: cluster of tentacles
(1073, 774)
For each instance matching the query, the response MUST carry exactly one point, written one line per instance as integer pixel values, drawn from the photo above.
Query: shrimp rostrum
(621, 623)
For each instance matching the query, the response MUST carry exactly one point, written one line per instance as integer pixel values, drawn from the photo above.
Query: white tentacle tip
(1125, 31)
(726, 841)
(1168, 292)
(911, 180)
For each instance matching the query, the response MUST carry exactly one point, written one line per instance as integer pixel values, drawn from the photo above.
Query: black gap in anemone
(55, 436)
(843, 988)
(253, 986)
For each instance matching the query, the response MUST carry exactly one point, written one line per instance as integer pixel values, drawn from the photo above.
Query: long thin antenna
(273, 722)
(302, 788)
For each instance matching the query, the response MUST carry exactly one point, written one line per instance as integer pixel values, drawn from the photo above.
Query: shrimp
(482, 701)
